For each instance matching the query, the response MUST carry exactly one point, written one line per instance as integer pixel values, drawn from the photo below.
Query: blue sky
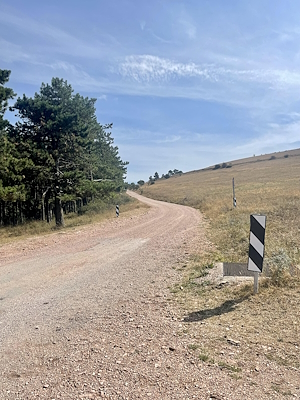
(187, 84)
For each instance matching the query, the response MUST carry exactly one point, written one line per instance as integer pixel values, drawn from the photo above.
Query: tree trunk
(59, 216)
(43, 208)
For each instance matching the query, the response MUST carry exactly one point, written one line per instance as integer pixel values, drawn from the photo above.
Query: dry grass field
(262, 185)
(248, 335)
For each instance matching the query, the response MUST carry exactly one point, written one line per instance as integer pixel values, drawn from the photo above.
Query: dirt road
(88, 314)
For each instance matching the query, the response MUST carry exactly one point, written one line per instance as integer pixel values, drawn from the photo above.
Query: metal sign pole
(255, 282)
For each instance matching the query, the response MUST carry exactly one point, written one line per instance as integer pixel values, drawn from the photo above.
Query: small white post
(233, 191)
(255, 282)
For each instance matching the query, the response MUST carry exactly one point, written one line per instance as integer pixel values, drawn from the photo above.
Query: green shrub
(279, 265)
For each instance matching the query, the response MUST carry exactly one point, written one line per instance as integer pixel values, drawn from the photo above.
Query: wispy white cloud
(61, 41)
(159, 38)
(11, 52)
(152, 68)
(147, 68)
(189, 28)
(169, 139)
(276, 137)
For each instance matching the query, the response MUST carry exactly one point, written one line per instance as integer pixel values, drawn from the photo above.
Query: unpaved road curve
(87, 313)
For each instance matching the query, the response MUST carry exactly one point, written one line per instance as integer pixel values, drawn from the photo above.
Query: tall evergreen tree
(5, 95)
(55, 126)
(71, 152)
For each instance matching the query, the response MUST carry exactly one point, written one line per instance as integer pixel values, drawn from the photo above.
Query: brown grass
(266, 324)
(269, 187)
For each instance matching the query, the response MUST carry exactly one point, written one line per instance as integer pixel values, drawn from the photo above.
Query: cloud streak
(149, 68)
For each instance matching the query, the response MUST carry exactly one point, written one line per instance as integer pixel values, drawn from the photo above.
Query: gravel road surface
(87, 313)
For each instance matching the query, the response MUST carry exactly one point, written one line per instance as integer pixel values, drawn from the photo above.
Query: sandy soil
(87, 314)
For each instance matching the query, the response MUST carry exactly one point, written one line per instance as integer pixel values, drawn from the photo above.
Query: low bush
(279, 264)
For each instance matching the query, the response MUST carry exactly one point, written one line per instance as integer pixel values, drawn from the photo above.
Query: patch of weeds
(206, 283)
(193, 346)
(203, 357)
(278, 390)
(279, 264)
(175, 289)
(232, 368)
(286, 361)
(252, 383)
(287, 393)
(235, 376)
(201, 274)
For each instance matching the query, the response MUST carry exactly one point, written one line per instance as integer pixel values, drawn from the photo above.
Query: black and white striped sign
(257, 242)
(117, 210)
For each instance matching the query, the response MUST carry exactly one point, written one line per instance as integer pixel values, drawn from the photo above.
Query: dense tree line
(170, 173)
(56, 157)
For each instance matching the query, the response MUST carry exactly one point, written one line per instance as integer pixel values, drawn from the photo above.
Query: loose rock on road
(87, 314)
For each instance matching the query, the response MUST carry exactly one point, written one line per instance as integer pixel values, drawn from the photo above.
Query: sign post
(234, 199)
(117, 210)
(256, 246)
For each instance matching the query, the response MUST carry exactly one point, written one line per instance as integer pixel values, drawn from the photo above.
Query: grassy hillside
(265, 325)
(268, 184)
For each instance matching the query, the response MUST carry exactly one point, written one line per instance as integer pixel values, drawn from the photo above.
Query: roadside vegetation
(56, 158)
(242, 333)
(269, 187)
(95, 212)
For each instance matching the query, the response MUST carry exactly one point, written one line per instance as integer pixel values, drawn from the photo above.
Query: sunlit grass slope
(268, 184)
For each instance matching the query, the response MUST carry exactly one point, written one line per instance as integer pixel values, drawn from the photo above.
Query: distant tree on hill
(141, 182)
(156, 176)
(151, 180)
(133, 186)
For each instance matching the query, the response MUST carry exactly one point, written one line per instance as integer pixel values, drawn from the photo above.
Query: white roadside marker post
(117, 210)
(234, 199)
(256, 246)
(255, 282)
